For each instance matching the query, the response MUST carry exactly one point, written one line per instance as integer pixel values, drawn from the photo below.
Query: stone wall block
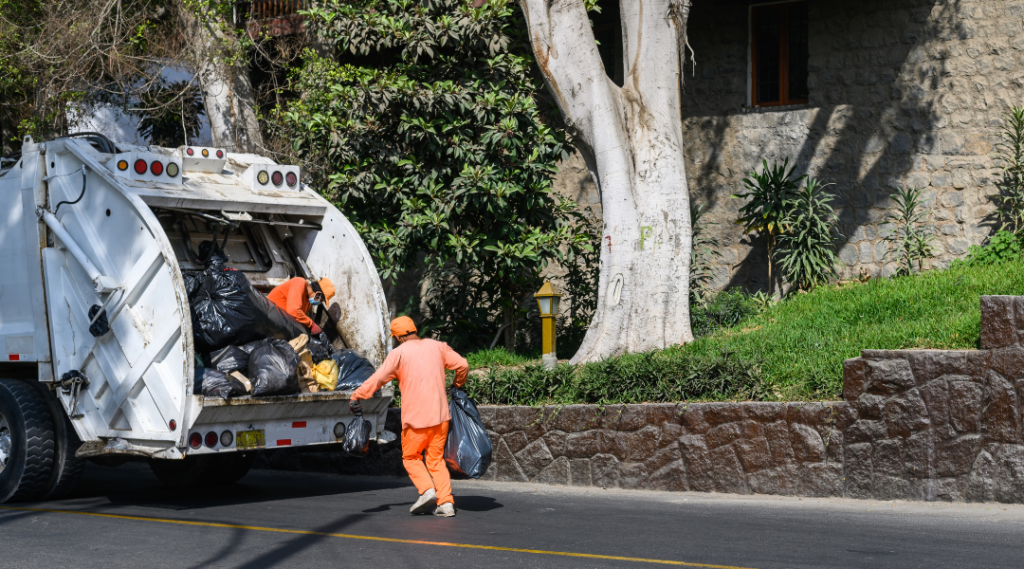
(555, 473)
(892, 488)
(729, 475)
(670, 433)
(632, 418)
(834, 441)
(555, 441)
(698, 463)
(888, 377)
(978, 362)
(764, 412)
(661, 414)
(955, 457)
(865, 431)
(662, 457)
(632, 476)
(1008, 362)
(719, 413)
(858, 467)
(694, 418)
(779, 480)
(582, 444)
(753, 453)
(729, 432)
(941, 490)
(516, 441)
(905, 414)
(807, 443)
(671, 477)
(604, 471)
(965, 398)
(931, 364)
(779, 445)
(506, 466)
(998, 329)
(887, 458)
(579, 472)
(980, 483)
(573, 418)
(918, 455)
(936, 400)
(854, 378)
(534, 458)
(869, 406)
(611, 417)
(644, 443)
(999, 416)
(1009, 473)
(820, 479)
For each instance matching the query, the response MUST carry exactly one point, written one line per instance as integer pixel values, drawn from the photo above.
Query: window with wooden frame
(779, 54)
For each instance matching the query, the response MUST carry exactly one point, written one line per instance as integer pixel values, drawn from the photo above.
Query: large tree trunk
(631, 138)
(223, 78)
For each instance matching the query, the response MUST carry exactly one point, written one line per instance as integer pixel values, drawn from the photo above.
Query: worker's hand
(356, 407)
(315, 330)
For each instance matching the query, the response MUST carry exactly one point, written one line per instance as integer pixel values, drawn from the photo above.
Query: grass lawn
(797, 346)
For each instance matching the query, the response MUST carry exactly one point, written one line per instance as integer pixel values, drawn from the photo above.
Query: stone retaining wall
(916, 424)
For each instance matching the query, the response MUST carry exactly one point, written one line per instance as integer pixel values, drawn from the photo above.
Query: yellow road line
(374, 538)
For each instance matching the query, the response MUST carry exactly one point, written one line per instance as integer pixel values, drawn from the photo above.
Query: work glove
(315, 330)
(356, 407)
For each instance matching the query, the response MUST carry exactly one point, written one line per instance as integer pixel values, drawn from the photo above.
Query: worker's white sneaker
(445, 510)
(425, 502)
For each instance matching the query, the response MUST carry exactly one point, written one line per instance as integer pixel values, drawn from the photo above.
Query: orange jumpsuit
(419, 367)
(293, 299)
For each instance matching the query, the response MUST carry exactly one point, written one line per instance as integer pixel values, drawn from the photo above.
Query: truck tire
(67, 468)
(26, 442)
(201, 471)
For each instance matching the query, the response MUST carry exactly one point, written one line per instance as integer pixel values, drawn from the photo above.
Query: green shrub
(1002, 247)
(911, 240)
(807, 248)
(1009, 199)
(726, 309)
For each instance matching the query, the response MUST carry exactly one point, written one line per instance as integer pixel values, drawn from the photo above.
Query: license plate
(251, 439)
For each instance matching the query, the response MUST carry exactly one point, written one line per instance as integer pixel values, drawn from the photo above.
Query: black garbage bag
(193, 281)
(468, 448)
(213, 383)
(272, 366)
(227, 311)
(229, 359)
(357, 437)
(319, 348)
(353, 369)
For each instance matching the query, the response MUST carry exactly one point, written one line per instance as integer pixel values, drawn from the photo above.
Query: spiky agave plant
(807, 248)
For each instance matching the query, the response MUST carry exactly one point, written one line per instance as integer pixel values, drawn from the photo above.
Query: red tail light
(195, 440)
(140, 166)
(291, 179)
(173, 425)
(211, 439)
(190, 152)
(156, 168)
(276, 178)
(220, 154)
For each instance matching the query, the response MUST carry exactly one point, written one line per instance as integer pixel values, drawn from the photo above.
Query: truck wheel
(67, 468)
(26, 442)
(198, 471)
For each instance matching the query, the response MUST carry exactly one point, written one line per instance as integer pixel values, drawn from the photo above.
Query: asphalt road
(123, 517)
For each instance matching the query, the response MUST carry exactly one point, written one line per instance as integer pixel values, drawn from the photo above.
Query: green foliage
(723, 310)
(704, 253)
(911, 240)
(807, 247)
(804, 340)
(497, 357)
(424, 128)
(170, 112)
(1002, 247)
(1010, 152)
(768, 193)
(669, 375)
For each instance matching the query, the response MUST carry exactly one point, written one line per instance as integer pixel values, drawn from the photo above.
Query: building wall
(902, 93)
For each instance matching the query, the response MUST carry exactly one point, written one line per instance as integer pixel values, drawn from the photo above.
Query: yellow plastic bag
(326, 375)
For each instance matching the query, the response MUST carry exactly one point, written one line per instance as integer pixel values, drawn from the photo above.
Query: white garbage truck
(94, 230)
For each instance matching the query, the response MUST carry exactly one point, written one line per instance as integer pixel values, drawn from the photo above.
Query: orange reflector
(122, 165)
(298, 424)
(284, 442)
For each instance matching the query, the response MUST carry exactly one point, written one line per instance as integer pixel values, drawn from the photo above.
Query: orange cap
(328, 287)
(402, 326)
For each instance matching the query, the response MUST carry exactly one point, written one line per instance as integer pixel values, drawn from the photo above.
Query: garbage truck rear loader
(97, 356)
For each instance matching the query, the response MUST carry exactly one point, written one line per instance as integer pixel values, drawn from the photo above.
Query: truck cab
(98, 230)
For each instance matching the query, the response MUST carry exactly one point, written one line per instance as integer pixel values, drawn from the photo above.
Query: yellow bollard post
(548, 298)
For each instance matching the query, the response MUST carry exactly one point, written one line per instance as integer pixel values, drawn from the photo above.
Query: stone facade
(902, 93)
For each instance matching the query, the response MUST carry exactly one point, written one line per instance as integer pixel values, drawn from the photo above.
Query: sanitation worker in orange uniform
(419, 364)
(296, 297)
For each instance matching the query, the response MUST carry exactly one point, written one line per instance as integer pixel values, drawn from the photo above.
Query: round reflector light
(206, 152)
(156, 167)
(173, 425)
(291, 178)
(339, 431)
(262, 177)
(220, 154)
(226, 438)
(277, 178)
(211, 439)
(140, 166)
(190, 152)
(172, 169)
(195, 440)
